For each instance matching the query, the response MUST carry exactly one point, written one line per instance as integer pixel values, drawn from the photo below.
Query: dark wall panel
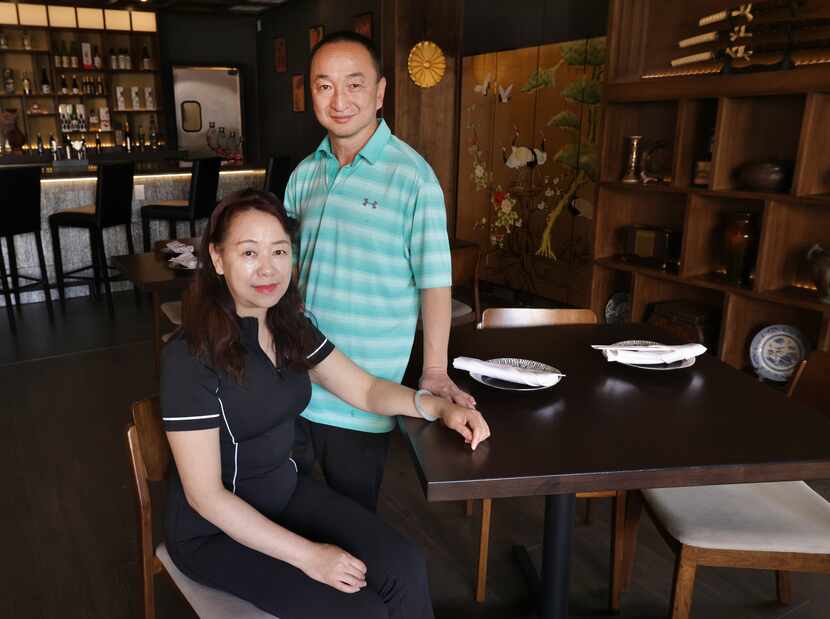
(227, 40)
(292, 133)
(496, 25)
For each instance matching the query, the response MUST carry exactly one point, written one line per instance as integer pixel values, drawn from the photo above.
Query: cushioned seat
(83, 215)
(209, 603)
(772, 517)
(173, 311)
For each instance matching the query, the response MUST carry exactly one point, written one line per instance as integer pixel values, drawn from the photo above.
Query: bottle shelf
(20, 50)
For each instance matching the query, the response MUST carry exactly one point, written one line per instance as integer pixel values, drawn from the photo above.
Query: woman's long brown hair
(210, 324)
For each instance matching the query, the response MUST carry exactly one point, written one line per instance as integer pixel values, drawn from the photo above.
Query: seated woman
(233, 382)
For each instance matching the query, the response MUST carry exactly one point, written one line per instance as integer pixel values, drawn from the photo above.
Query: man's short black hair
(348, 36)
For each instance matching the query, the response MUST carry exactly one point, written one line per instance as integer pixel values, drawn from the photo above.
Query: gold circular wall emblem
(426, 64)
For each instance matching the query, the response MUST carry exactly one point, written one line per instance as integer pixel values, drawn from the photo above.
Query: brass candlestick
(632, 172)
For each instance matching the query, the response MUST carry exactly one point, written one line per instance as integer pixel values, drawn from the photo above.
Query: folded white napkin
(523, 376)
(642, 356)
(187, 260)
(177, 247)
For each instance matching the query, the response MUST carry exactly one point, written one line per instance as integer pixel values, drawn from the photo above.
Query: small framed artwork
(298, 93)
(280, 55)
(315, 34)
(362, 24)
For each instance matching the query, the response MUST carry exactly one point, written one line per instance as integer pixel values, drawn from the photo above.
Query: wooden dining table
(151, 273)
(608, 426)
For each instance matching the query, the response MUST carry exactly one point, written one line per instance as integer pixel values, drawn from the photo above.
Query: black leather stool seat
(80, 216)
(167, 209)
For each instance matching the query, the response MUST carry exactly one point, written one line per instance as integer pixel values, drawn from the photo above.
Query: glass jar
(740, 248)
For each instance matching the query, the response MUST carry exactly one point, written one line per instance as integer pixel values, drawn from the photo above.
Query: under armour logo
(372, 204)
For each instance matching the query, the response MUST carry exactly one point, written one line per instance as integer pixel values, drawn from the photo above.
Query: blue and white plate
(618, 308)
(776, 351)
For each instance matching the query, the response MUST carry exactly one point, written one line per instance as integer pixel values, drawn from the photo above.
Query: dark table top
(611, 427)
(150, 272)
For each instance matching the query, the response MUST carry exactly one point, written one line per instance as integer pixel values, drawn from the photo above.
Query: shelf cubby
(792, 228)
(744, 316)
(648, 290)
(703, 234)
(654, 120)
(753, 130)
(695, 127)
(607, 282)
(626, 207)
(812, 174)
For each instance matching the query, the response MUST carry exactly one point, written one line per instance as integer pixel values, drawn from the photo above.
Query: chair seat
(209, 603)
(769, 517)
(167, 209)
(461, 313)
(173, 311)
(80, 215)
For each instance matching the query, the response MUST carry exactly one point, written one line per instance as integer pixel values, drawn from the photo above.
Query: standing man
(373, 251)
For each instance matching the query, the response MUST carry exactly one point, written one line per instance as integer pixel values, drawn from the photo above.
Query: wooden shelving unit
(46, 44)
(753, 117)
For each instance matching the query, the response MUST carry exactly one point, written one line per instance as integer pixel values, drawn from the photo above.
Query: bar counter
(64, 189)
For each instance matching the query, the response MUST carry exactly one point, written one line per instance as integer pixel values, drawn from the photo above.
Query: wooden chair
(512, 317)
(149, 459)
(781, 526)
(465, 265)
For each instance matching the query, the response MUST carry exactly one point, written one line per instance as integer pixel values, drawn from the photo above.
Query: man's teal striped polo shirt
(372, 234)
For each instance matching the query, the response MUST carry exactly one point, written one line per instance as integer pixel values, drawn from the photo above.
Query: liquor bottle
(146, 63)
(86, 55)
(75, 89)
(98, 147)
(73, 120)
(65, 63)
(82, 152)
(27, 40)
(141, 143)
(39, 144)
(73, 58)
(64, 86)
(128, 60)
(4, 43)
(128, 138)
(154, 140)
(58, 58)
(27, 85)
(45, 87)
(96, 58)
(53, 146)
(99, 87)
(113, 60)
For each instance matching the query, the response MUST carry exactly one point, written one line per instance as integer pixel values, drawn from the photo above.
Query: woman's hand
(336, 568)
(468, 422)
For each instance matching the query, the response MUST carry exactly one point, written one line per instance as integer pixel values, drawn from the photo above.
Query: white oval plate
(516, 363)
(677, 365)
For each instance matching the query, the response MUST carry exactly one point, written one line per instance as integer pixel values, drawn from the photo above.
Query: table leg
(550, 592)
(556, 555)
(157, 331)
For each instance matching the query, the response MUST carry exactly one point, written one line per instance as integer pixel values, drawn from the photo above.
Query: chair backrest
(114, 193)
(149, 459)
(204, 182)
(534, 317)
(20, 195)
(465, 268)
(276, 175)
(811, 382)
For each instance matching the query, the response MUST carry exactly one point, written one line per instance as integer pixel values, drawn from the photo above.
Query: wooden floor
(69, 522)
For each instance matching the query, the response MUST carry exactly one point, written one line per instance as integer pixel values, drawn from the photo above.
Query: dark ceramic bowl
(765, 176)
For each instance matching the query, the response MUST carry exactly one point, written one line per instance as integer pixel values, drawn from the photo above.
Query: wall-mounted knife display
(742, 33)
(746, 52)
(749, 11)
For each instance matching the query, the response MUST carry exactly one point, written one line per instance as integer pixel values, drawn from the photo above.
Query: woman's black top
(255, 420)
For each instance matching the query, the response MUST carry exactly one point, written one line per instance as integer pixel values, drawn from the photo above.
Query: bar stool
(20, 193)
(113, 207)
(276, 175)
(204, 181)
